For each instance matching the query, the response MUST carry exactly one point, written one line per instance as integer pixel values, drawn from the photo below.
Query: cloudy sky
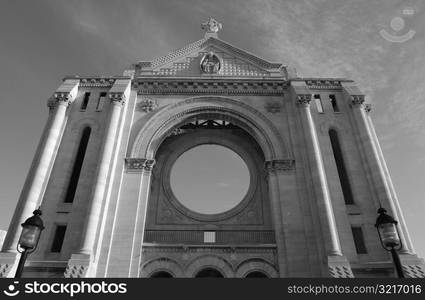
(42, 41)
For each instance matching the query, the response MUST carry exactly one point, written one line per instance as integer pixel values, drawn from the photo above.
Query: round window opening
(209, 179)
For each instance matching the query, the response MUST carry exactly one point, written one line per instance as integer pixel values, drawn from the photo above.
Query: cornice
(147, 86)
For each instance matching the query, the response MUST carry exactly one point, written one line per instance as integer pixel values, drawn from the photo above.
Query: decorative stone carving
(98, 82)
(210, 63)
(273, 107)
(117, 97)
(327, 84)
(166, 87)
(304, 99)
(414, 271)
(147, 105)
(357, 99)
(139, 164)
(5, 270)
(368, 107)
(340, 271)
(76, 271)
(211, 26)
(280, 165)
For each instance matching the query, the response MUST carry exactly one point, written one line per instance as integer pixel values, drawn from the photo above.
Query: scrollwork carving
(139, 164)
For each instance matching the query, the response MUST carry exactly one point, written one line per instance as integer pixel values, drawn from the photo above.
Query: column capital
(60, 98)
(117, 97)
(357, 99)
(279, 165)
(136, 165)
(303, 99)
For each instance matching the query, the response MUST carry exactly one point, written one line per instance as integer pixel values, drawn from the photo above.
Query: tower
(102, 170)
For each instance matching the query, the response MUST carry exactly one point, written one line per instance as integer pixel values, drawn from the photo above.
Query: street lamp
(390, 238)
(28, 241)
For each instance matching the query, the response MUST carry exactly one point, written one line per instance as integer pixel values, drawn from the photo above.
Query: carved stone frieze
(272, 87)
(97, 82)
(326, 84)
(280, 165)
(139, 164)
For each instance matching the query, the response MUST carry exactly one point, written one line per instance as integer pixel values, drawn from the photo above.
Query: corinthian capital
(303, 99)
(117, 97)
(357, 99)
(64, 98)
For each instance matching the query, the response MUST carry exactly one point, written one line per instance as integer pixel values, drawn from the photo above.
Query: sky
(43, 41)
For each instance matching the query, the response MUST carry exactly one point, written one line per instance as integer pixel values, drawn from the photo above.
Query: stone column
(33, 190)
(337, 263)
(325, 203)
(143, 166)
(272, 168)
(79, 264)
(380, 177)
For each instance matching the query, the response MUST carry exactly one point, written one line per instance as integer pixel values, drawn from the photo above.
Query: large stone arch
(154, 131)
(161, 264)
(252, 265)
(210, 261)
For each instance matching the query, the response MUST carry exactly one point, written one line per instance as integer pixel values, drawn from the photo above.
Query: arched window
(342, 171)
(256, 274)
(209, 273)
(78, 163)
(161, 274)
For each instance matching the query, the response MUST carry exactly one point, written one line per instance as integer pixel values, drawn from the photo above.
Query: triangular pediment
(234, 62)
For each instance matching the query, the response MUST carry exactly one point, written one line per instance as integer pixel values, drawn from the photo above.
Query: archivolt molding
(210, 261)
(252, 265)
(151, 135)
(161, 264)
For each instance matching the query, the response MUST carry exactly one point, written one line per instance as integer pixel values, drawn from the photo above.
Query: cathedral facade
(101, 174)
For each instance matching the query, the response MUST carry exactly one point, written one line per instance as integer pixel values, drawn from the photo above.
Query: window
(85, 101)
(333, 102)
(318, 102)
(342, 172)
(100, 101)
(256, 274)
(359, 240)
(58, 239)
(78, 163)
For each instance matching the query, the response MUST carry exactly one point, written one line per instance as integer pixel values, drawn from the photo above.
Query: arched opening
(209, 273)
(218, 178)
(161, 274)
(78, 163)
(256, 274)
(342, 171)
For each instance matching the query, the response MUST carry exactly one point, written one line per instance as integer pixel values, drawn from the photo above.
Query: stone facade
(124, 220)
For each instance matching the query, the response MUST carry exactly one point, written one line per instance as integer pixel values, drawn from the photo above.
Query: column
(272, 168)
(338, 266)
(99, 186)
(33, 190)
(381, 178)
(325, 204)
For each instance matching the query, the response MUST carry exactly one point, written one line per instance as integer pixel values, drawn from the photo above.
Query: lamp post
(28, 241)
(390, 238)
